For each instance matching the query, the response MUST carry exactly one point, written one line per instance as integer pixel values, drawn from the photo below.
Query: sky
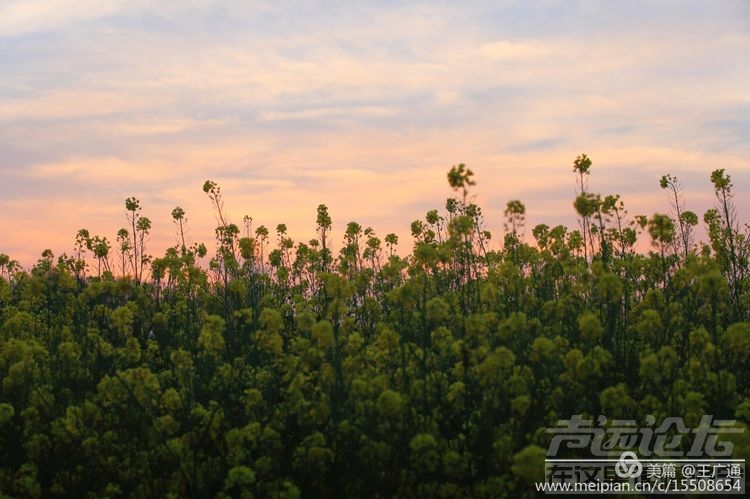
(362, 106)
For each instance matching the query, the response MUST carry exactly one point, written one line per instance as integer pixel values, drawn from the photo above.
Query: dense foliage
(281, 369)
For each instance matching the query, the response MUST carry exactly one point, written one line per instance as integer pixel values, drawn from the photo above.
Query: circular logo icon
(628, 466)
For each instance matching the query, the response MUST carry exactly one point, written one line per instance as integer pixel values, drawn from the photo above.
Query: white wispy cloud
(504, 49)
(19, 17)
(334, 112)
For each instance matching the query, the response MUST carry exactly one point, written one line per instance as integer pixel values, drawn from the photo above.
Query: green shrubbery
(283, 371)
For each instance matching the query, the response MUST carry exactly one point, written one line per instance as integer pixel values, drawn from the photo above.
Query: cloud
(97, 170)
(157, 126)
(72, 104)
(19, 17)
(334, 112)
(503, 49)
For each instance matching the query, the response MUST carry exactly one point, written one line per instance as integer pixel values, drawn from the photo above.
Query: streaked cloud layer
(363, 106)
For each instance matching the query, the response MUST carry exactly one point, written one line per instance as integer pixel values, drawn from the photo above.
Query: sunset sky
(363, 106)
